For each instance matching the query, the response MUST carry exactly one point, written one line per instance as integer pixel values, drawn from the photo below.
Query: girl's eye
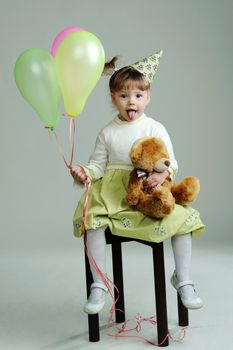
(139, 95)
(123, 96)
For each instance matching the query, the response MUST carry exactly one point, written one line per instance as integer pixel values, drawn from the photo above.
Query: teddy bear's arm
(134, 189)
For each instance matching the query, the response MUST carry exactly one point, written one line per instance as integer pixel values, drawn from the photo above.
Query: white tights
(96, 247)
(182, 251)
(181, 245)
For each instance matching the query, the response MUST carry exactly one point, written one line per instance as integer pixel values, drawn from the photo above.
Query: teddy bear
(150, 154)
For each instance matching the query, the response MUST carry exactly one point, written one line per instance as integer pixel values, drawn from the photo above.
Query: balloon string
(72, 134)
(87, 183)
(71, 139)
(138, 320)
(60, 150)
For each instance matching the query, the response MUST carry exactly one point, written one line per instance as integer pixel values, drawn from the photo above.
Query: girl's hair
(124, 77)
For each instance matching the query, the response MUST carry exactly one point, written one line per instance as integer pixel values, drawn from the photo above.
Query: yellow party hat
(148, 66)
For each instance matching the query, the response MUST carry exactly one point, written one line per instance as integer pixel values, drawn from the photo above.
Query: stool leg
(160, 294)
(93, 320)
(118, 281)
(182, 313)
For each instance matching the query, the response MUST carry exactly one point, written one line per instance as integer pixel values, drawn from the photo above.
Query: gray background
(191, 96)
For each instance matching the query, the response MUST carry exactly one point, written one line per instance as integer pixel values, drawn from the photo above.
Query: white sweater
(115, 140)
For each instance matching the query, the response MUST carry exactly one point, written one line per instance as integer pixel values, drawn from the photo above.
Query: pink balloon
(60, 36)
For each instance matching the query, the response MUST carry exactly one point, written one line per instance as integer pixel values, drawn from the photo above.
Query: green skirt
(107, 206)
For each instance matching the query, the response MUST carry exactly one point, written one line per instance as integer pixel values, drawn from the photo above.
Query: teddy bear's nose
(167, 162)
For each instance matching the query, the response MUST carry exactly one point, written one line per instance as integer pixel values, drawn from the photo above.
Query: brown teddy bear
(147, 155)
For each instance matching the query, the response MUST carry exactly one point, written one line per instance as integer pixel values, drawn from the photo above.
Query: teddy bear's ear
(136, 152)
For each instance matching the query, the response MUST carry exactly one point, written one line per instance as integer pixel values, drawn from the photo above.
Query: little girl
(109, 167)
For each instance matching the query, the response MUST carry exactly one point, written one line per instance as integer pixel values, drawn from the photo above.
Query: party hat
(148, 65)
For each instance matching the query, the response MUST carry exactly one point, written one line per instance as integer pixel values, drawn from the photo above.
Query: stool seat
(160, 289)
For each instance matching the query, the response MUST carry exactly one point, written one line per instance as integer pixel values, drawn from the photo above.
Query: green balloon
(36, 80)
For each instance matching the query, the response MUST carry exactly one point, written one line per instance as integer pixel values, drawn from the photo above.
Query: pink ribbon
(71, 139)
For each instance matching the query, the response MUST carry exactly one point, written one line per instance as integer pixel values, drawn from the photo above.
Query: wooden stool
(160, 289)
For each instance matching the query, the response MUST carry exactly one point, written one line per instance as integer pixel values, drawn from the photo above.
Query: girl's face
(130, 102)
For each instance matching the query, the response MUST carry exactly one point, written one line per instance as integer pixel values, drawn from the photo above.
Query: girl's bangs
(137, 84)
(128, 78)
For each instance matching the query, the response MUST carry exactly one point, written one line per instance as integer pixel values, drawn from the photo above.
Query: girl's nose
(131, 100)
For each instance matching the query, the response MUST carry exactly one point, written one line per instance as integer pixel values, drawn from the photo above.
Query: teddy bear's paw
(160, 213)
(132, 200)
(155, 207)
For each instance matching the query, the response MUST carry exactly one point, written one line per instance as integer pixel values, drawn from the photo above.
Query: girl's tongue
(131, 114)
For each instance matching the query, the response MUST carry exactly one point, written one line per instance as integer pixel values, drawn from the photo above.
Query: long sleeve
(98, 160)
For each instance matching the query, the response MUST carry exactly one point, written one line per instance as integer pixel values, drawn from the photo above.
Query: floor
(42, 295)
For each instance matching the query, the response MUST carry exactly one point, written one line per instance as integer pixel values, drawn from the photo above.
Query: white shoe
(96, 299)
(190, 300)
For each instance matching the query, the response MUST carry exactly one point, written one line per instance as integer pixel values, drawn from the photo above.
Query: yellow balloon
(79, 63)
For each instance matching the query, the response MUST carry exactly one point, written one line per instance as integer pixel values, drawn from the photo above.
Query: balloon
(36, 79)
(60, 36)
(79, 64)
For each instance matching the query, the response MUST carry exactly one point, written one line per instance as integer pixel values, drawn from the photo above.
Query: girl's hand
(78, 173)
(156, 179)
